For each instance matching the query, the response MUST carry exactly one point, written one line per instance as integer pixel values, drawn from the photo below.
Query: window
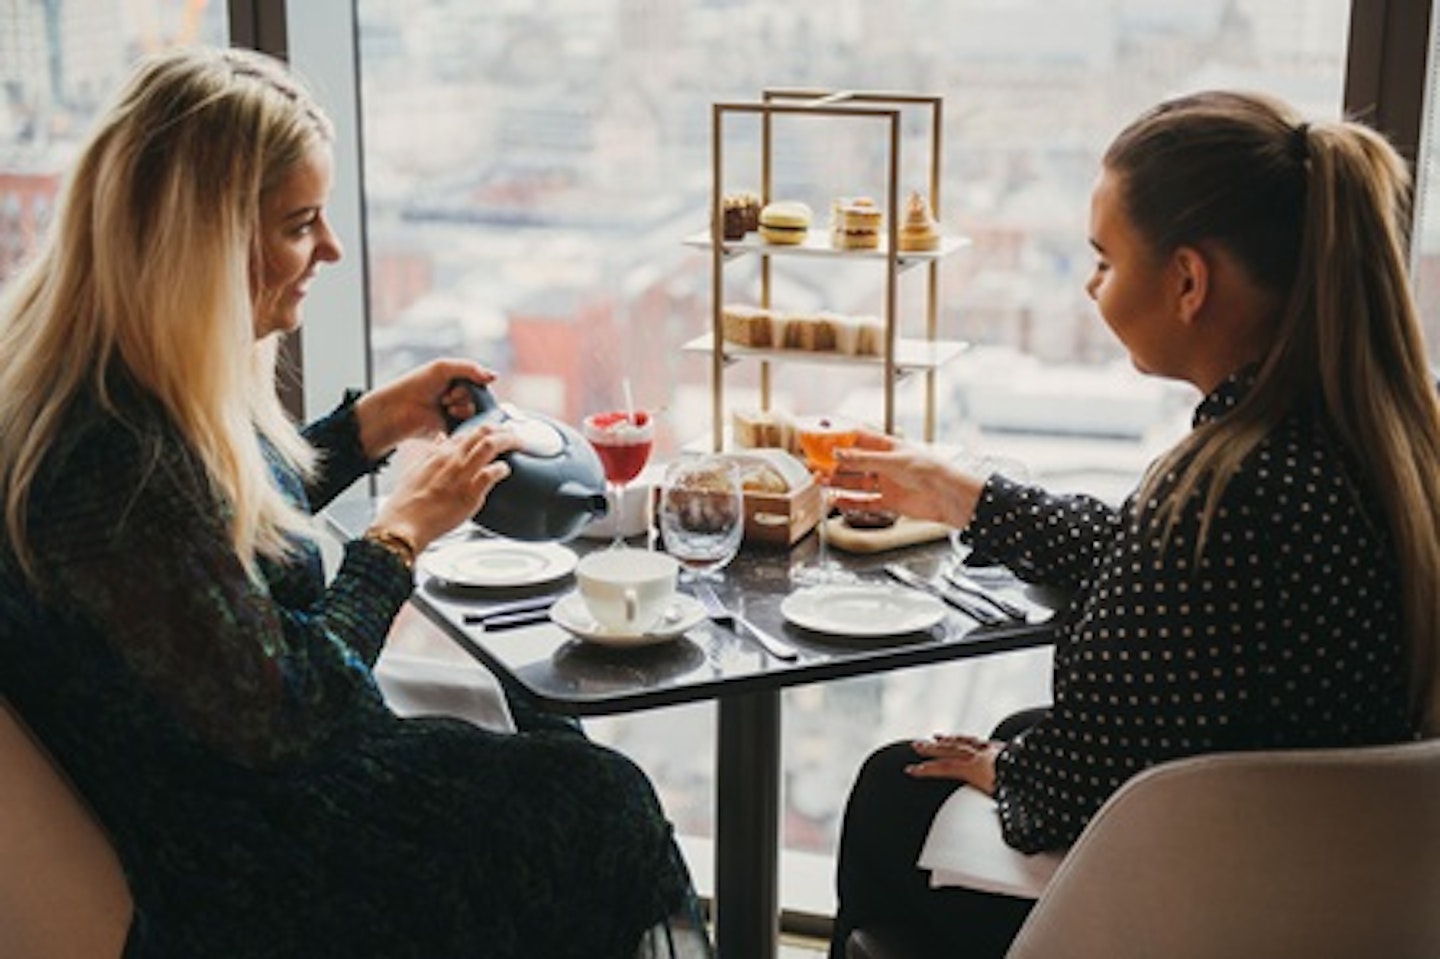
(531, 170)
(59, 63)
(1425, 241)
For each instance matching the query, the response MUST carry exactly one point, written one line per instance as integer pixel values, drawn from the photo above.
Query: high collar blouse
(1285, 631)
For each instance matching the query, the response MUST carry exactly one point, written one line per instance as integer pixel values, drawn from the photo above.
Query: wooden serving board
(905, 532)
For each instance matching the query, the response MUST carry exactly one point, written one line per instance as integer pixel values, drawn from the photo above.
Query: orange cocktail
(820, 437)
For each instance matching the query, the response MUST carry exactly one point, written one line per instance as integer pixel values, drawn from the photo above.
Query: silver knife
(967, 585)
(909, 577)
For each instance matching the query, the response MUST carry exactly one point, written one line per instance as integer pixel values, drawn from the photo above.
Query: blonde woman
(1275, 580)
(165, 626)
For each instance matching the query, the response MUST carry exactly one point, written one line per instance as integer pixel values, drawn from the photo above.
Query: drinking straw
(629, 400)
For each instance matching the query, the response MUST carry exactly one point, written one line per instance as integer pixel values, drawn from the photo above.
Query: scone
(758, 476)
(785, 222)
(745, 325)
(758, 429)
(855, 223)
(869, 335)
(847, 334)
(919, 231)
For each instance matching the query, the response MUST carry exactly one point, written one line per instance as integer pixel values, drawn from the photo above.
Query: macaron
(785, 222)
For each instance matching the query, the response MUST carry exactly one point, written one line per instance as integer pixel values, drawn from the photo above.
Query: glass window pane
(532, 170)
(1426, 239)
(60, 62)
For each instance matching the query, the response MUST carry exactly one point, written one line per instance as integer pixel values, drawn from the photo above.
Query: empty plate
(498, 563)
(862, 610)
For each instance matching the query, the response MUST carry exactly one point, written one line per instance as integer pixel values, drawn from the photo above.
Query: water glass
(701, 514)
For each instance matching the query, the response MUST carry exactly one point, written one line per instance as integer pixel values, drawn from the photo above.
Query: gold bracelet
(395, 543)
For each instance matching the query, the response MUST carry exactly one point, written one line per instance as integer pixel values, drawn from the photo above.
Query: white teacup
(627, 590)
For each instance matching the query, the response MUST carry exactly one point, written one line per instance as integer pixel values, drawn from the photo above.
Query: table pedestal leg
(747, 826)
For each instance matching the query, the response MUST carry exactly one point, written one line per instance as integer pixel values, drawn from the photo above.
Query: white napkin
(420, 686)
(965, 848)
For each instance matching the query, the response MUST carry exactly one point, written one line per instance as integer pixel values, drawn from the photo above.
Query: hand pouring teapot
(556, 483)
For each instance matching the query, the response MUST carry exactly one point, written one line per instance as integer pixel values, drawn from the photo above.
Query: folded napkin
(420, 686)
(965, 848)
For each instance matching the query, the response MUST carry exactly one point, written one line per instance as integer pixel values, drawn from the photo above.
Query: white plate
(498, 562)
(862, 610)
(570, 612)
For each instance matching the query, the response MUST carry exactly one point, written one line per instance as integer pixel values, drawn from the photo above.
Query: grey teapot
(556, 484)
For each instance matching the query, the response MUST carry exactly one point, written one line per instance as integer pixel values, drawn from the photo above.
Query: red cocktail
(622, 440)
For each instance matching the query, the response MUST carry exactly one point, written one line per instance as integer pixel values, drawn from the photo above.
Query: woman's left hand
(965, 758)
(416, 404)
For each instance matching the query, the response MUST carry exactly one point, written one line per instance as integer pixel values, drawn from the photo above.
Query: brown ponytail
(1316, 214)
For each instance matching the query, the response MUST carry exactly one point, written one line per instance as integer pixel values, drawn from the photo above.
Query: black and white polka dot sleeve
(1042, 537)
(1283, 632)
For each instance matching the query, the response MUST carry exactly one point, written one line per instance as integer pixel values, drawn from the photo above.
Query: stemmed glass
(820, 437)
(622, 439)
(702, 514)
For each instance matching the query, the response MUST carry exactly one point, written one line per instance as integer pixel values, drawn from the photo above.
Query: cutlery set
(954, 588)
(519, 612)
(962, 593)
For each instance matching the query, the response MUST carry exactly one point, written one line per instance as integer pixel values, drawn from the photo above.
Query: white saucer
(862, 610)
(498, 562)
(570, 612)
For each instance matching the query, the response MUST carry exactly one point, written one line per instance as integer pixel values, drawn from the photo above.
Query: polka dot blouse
(1284, 633)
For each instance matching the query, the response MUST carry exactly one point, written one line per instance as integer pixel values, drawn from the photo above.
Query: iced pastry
(919, 231)
(855, 223)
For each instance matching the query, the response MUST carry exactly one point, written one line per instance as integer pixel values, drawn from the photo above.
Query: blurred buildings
(531, 167)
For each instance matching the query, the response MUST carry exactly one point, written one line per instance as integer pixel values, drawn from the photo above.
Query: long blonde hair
(147, 268)
(1316, 213)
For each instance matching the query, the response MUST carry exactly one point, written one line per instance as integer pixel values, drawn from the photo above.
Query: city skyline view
(532, 169)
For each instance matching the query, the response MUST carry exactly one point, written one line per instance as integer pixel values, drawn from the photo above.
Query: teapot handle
(485, 404)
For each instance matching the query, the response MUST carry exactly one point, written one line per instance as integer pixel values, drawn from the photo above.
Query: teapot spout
(582, 498)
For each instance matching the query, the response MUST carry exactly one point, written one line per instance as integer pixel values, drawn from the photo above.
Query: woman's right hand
(910, 481)
(447, 485)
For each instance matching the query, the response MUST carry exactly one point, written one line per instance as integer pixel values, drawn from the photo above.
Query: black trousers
(887, 818)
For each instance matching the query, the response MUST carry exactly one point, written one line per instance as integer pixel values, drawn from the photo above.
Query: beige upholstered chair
(1266, 855)
(62, 893)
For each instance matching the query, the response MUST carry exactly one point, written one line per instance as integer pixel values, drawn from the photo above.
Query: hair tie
(1300, 142)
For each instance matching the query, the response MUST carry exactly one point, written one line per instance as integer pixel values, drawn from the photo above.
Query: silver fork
(720, 613)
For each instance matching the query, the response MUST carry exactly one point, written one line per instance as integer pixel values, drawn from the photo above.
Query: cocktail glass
(623, 440)
(820, 437)
(702, 514)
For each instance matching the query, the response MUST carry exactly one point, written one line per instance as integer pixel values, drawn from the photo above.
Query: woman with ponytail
(1275, 580)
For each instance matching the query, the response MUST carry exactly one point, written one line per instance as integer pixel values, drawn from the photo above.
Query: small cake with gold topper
(919, 232)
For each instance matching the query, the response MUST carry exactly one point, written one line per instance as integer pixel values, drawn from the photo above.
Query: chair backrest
(1265, 855)
(62, 892)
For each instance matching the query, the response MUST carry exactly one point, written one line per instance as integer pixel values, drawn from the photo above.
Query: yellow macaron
(785, 222)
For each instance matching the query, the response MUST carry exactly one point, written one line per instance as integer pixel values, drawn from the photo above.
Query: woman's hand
(417, 404)
(964, 758)
(910, 481)
(447, 485)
